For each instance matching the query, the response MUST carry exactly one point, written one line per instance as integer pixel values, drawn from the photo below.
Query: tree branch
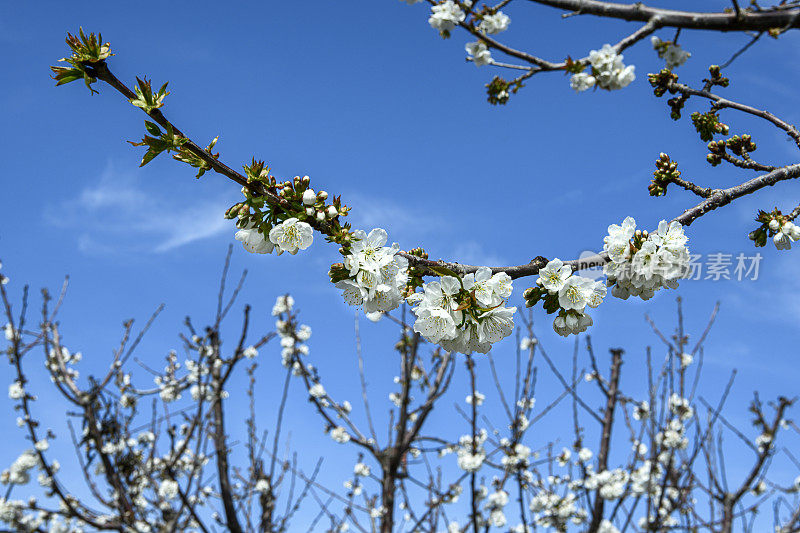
(755, 21)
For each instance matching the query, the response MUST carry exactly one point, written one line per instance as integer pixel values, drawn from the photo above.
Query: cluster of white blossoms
(54, 364)
(572, 295)
(168, 489)
(479, 53)
(293, 346)
(360, 469)
(785, 234)
(609, 484)
(465, 314)
(10, 333)
(608, 71)
(291, 235)
(18, 472)
(516, 457)
(339, 434)
(553, 510)
(670, 52)
(377, 275)
(495, 502)
(169, 384)
(292, 340)
(22, 516)
(764, 442)
(152, 477)
(641, 263)
(494, 23)
(556, 504)
(16, 391)
(445, 16)
(471, 455)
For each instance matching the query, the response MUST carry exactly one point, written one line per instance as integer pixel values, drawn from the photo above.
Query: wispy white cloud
(403, 222)
(409, 226)
(117, 214)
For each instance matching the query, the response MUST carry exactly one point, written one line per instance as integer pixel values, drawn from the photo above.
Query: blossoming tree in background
(158, 457)
(154, 477)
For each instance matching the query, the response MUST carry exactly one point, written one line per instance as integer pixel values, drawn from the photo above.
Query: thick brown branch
(221, 447)
(605, 439)
(758, 21)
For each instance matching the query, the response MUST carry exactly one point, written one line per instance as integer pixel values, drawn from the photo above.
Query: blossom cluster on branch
(282, 215)
(670, 52)
(607, 71)
(642, 263)
(465, 314)
(568, 294)
(778, 226)
(372, 275)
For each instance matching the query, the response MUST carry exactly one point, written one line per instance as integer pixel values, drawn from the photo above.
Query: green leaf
(145, 98)
(551, 303)
(148, 156)
(444, 271)
(152, 128)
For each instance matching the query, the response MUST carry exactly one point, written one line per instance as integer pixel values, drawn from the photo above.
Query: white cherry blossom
(435, 324)
(495, 23)
(377, 274)
(292, 235)
(575, 293)
(479, 53)
(554, 274)
(609, 70)
(582, 81)
(660, 261)
(446, 15)
(672, 53)
(465, 314)
(255, 242)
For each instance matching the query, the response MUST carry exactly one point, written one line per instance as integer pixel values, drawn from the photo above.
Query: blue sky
(366, 99)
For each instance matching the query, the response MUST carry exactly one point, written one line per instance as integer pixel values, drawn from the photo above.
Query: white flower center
(292, 235)
(574, 294)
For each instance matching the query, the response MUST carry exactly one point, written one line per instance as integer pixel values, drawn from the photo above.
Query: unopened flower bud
(331, 211)
(528, 292)
(320, 215)
(322, 196)
(773, 225)
(306, 180)
(310, 211)
(309, 197)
